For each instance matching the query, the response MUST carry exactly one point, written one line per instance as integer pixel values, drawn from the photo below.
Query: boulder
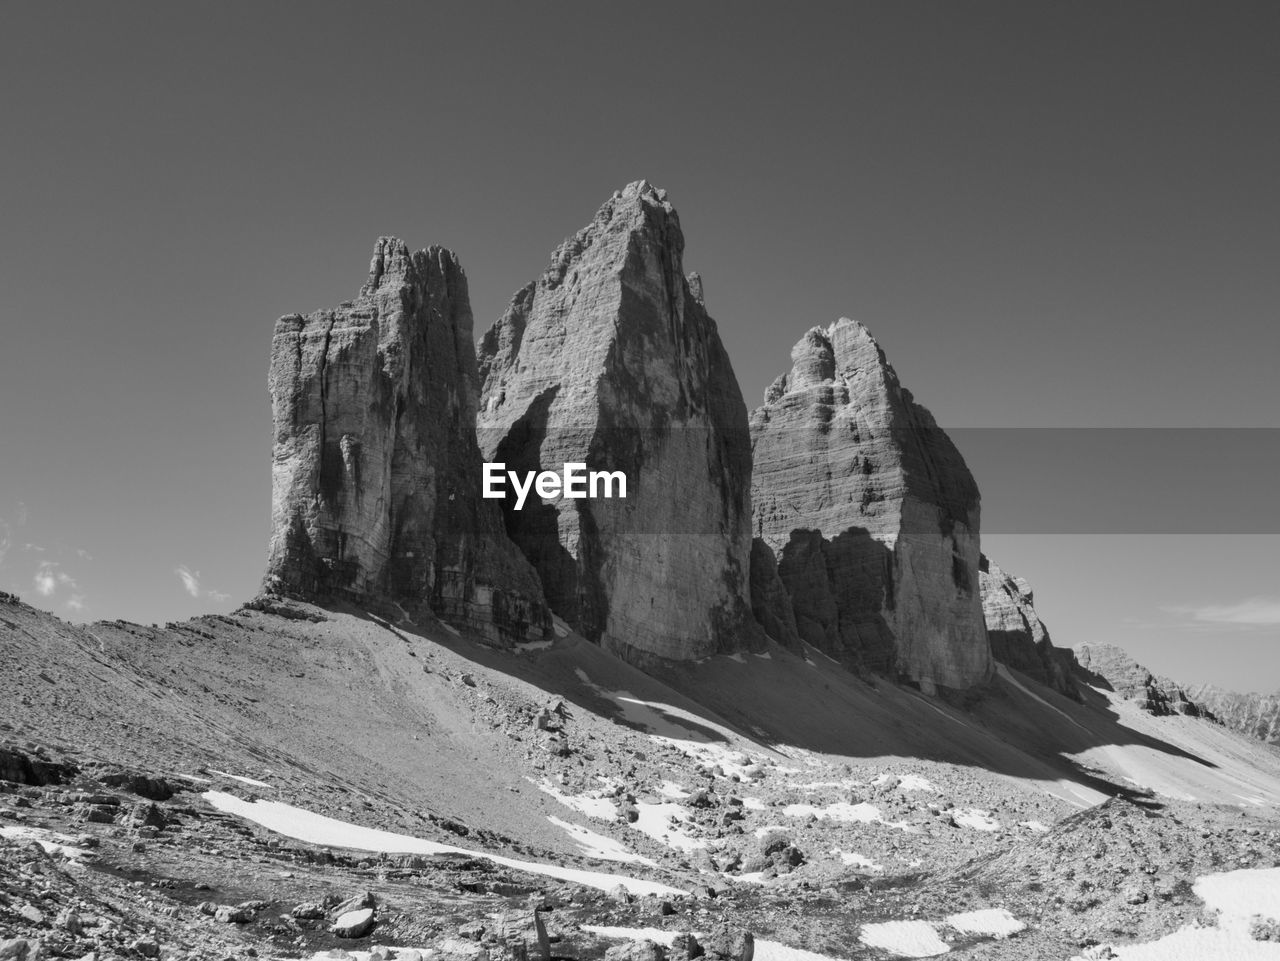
(872, 514)
(643, 950)
(611, 360)
(353, 924)
(376, 476)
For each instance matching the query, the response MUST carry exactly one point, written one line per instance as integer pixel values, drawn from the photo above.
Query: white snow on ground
(996, 922)
(600, 808)
(1238, 896)
(672, 790)
(192, 778)
(854, 859)
(770, 829)
(659, 822)
(753, 804)
(973, 818)
(684, 730)
(1038, 826)
(906, 939)
(906, 782)
(840, 811)
(656, 935)
(240, 777)
(52, 843)
(598, 846)
(765, 950)
(315, 828)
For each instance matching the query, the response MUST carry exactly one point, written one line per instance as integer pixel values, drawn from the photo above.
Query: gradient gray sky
(1049, 214)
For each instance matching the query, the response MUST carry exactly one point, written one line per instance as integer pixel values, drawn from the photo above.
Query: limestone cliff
(1255, 715)
(1110, 668)
(872, 514)
(376, 471)
(1018, 636)
(610, 359)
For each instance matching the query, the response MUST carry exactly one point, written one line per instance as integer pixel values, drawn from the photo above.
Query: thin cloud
(49, 577)
(190, 579)
(191, 584)
(46, 579)
(1249, 614)
(75, 602)
(4, 540)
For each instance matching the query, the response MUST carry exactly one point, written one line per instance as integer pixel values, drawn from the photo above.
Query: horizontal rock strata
(872, 514)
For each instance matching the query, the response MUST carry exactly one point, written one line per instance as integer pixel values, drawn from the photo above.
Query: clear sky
(1050, 214)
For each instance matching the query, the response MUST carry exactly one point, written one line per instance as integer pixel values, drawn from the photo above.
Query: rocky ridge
(375, 466)
(610, 359)
(1255, 715)
(1107, 666)
(872, 515)
(1018, 637)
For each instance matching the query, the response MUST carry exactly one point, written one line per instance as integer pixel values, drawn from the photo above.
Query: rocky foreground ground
(106, 863)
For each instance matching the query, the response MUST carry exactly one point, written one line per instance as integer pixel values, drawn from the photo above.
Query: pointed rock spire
(376, 472)
(611, 360)
(872, 514)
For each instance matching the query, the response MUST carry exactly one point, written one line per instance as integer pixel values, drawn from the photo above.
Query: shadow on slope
(430, 731)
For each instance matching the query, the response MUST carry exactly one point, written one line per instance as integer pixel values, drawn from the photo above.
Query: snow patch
(1238, 896)
(598, 846)
(995, 922)
(672, 790)
(659, 822)
(593, 806)
(975, 819)
(842, 811)
(905, 939)
(852, 859)
(303, 825)
(241, 778)
(57, 844)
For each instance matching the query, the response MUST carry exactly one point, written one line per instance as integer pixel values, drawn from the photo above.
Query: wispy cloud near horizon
(49, 577)
(1250, 614)
(191, 584)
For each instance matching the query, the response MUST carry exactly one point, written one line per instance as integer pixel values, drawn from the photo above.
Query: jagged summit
(871, 513)
(611, 359)
(375, 470)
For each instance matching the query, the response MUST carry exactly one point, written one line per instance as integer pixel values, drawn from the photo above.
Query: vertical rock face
(872, 514)
(1018, 636)
(610, 359)
(376, 472)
